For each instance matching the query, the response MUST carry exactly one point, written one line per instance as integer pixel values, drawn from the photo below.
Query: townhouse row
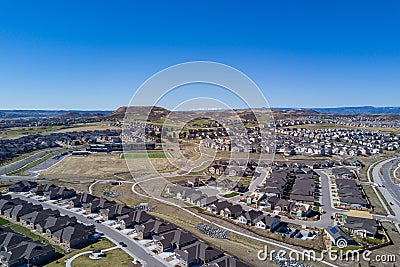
(18, 250)
(188, 249)
(237, 213)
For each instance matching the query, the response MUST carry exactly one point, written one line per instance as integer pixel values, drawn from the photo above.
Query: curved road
(390, 191)
(134, 249)
(69, 261)
(18, 164)
(323, 222)
(280, 245)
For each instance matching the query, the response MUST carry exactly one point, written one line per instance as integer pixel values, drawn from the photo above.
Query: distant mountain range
(365, 110)
(351, 110)
(7, 114)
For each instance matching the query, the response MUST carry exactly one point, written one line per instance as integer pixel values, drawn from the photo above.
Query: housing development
(199, 133)
(75, 187)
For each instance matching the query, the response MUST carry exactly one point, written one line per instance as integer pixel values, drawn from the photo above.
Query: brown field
(104, 166)
(17, 132)
(376, 204)
(89, 127)
(99, 166)
(99, 188)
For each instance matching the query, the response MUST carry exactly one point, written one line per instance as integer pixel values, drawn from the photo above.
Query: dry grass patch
(89, 127)
(98, 166)
(375, 203)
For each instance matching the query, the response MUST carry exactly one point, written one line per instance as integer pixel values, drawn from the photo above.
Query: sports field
(144, 154)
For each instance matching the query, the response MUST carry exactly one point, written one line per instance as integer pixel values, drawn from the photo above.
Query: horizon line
(200, 109)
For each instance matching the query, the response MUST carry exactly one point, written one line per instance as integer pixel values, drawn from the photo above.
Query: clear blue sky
(94, 54)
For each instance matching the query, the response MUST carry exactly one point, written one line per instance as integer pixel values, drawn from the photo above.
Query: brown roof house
(198, 253)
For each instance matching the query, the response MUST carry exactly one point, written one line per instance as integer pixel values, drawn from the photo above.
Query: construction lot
(102, 166)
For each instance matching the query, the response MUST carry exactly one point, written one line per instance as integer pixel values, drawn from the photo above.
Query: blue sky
(94, 54)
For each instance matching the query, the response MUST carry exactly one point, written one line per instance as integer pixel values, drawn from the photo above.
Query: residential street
(133, 249)
(326, 205)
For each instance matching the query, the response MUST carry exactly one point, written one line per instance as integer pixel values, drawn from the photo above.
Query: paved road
(326, 204)
(48, 163)
(389, 189)
(280, 245)
(133, 248)
(18, 164)
(326, 198)
(33, 171)
(258, 180)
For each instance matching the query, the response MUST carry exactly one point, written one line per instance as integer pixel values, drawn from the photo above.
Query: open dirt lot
(89, 127)
(103, 166)
(99, 166)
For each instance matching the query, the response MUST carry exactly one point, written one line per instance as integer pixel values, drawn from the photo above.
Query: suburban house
(7, 204)
(270, 203)
(22, 186)
(74, 236)
(51, 191)
(115, 210)
(283, 205)
(268, 222)
(53, 224)
(363, 227)
(340, 237)
(80, 199)
(152, 227)
(350, 194)
(303, 189)
(17, 250)
(63, 229)
(59, 193)
(250, 217)
(218, 206)
(198, 253)
(195, 197)
(97, 204)
(31, 219)
(19, 210)
(174, 239)
(133, 218)
(204, 202)
(232, 212)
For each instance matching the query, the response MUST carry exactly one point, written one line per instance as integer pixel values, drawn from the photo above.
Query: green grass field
(143, 155)
(114, 257)
(18, 132)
